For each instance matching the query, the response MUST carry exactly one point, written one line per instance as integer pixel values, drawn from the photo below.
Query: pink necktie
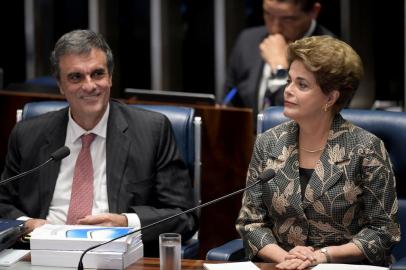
(81, 200)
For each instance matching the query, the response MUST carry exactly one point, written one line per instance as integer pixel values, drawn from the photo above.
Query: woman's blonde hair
(335, 65)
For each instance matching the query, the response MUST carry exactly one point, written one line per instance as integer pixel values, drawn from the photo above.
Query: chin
(289, 113)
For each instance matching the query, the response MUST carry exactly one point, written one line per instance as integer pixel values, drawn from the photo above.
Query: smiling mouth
(93, 96)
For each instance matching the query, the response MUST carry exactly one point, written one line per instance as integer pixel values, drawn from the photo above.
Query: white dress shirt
(58, 209)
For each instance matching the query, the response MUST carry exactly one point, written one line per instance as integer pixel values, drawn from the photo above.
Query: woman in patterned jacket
(333, 197)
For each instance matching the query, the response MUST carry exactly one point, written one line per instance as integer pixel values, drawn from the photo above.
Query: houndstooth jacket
(350, 197)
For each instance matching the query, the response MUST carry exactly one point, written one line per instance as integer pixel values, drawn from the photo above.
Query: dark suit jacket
(350, 197)
(145, 173)
(246, 66)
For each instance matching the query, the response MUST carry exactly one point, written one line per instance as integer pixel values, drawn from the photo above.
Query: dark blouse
(304, 175)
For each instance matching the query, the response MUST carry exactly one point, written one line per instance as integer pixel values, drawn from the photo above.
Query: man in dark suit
(137, 177)
(258, 64)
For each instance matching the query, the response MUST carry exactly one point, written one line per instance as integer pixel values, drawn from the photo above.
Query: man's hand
(33, 223)
(113, 220)
(274, 51)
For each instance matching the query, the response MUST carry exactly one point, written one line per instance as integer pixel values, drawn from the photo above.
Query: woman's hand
(294, 264)
(301, 252)
(299, 257)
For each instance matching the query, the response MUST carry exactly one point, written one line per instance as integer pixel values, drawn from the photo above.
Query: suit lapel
(117, 147)
(284, 160)
(54, 140)
(329, 170)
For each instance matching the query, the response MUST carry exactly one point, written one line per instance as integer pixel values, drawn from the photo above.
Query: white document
(335, 266)
(230, 266)
(11, 256)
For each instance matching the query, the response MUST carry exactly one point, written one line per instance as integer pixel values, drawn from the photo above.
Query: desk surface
(153, 264)
(142, 264)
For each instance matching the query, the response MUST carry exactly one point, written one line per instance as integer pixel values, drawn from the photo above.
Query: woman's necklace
(311, 151)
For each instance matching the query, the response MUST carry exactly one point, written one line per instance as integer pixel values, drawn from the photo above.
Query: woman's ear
(333, 97)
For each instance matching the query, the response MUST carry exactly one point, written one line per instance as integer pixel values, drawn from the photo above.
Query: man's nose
(88, 84)
(276, 26)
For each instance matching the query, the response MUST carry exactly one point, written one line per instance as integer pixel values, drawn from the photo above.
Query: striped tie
(81, 200)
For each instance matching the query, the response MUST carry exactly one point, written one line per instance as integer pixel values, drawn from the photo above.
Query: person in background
(124, 168)
(258, 65)
(333, 197)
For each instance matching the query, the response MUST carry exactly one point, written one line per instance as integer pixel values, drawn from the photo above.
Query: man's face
(288, 19)
(86, 83)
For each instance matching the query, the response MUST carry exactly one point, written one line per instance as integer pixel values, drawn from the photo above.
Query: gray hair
(80, 42)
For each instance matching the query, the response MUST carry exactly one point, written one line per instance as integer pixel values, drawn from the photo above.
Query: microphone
(55, 156)
(265, 176)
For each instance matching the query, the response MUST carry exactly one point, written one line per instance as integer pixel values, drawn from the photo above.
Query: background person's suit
(246, 67)
(145, 173)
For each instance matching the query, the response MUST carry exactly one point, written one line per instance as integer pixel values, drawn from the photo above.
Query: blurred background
(183, 45)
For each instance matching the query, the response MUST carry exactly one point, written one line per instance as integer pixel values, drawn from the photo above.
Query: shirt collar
(77, 131)
(311, 29)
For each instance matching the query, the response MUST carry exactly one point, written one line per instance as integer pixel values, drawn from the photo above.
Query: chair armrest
(190, 249)
(399, 265)
(230, 251)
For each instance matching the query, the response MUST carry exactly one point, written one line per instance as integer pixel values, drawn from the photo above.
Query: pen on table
(230, 95)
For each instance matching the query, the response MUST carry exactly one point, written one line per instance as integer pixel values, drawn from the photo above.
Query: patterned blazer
(350, 197)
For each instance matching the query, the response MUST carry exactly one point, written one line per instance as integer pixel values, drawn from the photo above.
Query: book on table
(92, 259)
(10, 231)
(62, 245)
(81, 237)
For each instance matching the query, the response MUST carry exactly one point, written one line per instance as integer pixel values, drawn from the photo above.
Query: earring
(326, 107)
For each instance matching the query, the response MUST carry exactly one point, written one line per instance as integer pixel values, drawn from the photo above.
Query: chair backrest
(400, 249)
(186, 127)
(390, 127)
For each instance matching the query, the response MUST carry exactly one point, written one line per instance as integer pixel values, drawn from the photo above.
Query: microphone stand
(55, 156)
(269, 174)
(25, 173)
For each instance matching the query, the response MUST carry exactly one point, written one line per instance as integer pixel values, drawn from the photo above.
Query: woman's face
(304, 99)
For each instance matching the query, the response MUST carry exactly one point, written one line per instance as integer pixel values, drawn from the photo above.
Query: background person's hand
(274, 51)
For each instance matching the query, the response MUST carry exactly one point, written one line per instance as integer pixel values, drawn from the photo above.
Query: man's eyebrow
(73, 73)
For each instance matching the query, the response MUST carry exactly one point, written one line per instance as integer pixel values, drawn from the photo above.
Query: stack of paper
(231, 266)
(62, 245)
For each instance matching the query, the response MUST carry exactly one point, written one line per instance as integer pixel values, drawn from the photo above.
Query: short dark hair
(80, 42)
(305, 5)
(335, 65)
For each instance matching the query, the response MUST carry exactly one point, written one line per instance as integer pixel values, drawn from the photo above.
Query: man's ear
(314, 12)
(60, 88)
(111, 80)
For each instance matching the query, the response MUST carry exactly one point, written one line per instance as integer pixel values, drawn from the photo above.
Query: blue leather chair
(49, 81)
(389, 126)
(187, 130)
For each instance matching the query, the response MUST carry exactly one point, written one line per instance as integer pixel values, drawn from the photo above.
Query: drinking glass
(169, 251)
